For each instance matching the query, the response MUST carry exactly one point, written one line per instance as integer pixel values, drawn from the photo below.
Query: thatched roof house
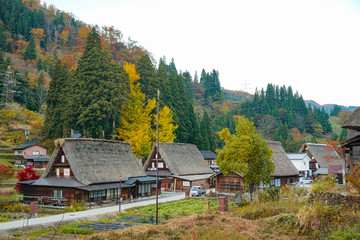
(96, 161)
(352, 144)
(353, 121)
(90, 170)
(283, 165)
(182, 161)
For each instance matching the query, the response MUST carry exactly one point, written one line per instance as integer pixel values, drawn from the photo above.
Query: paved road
(83, 215)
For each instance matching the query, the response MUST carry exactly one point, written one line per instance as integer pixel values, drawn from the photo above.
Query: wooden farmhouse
(327, 159)
(90, 170)
(351, 146)
(285, 172)
(181, 164)
(231, 183)
(31, 154)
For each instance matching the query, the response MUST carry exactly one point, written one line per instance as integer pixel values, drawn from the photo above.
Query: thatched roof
(181, 159)
(283, 165)
(353, 121)
(97, 161)
(324, 154)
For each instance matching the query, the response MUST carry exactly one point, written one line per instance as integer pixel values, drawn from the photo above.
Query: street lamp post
(120, 196)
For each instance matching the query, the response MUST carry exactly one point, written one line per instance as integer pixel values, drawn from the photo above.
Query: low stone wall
(336, 199)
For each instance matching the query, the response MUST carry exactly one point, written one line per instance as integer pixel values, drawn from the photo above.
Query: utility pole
(157, 157)
(9, 87)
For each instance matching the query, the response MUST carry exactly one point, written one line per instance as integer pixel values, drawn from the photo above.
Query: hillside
(49, 54)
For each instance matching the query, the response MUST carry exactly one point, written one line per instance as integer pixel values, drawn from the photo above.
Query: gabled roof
(208, 154)
(26, 145)
(353, 120)
(324, 154)
(283, 165)
(181, 159)
(297, 156)
(96, 160)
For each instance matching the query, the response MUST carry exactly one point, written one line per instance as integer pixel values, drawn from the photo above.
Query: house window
(161, 165)
(185, 184)
(62, 158)
(113, 193)
(18, 152)
(35, 153)
(58, 193)
(57, 171)
(67, 172)
(97, 195)
(153, 165)
(276, 182)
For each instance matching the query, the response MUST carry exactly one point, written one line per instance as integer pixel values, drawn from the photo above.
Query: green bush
(72, 230)
(346, 234)
(269, 194)
(76, 206)
(325, 183)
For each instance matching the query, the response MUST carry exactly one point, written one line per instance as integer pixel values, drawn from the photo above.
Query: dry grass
(206, 226)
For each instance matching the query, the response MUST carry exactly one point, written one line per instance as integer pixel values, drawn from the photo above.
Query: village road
(78, 216)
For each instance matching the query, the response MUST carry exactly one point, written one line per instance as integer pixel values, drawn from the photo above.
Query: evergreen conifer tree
(98, 91)
(148, 81)
(55, 118)
(30, 52)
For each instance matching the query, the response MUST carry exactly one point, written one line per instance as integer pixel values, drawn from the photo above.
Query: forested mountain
(330, 107)
(87, 78)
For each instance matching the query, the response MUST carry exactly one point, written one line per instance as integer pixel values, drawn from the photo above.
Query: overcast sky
(311, 45)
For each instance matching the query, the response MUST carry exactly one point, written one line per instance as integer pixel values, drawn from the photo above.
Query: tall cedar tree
(207, 134)
(246, 153)
(30, 52)
(98, 90)
(56, 124)
(148, 81)
(166, 98)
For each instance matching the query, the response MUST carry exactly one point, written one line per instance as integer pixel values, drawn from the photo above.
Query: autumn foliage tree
(26, 175)
(5, 173)
(167, 126)
(246, 153)
(136, 118)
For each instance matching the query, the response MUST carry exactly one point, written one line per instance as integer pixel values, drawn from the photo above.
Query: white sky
(311, 45)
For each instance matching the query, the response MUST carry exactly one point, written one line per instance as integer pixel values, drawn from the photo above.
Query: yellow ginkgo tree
(137, 123)
(167, 126)
(136, 117)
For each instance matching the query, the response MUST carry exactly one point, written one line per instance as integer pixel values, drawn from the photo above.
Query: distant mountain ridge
(329, 107)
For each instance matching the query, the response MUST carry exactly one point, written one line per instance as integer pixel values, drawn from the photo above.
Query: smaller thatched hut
(285, 172)
(90, 170)
(181, 164)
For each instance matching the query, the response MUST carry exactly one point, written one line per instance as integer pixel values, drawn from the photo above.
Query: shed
(181, 164)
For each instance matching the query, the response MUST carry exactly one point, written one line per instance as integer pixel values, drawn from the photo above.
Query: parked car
(196, 191)
(305, 180)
